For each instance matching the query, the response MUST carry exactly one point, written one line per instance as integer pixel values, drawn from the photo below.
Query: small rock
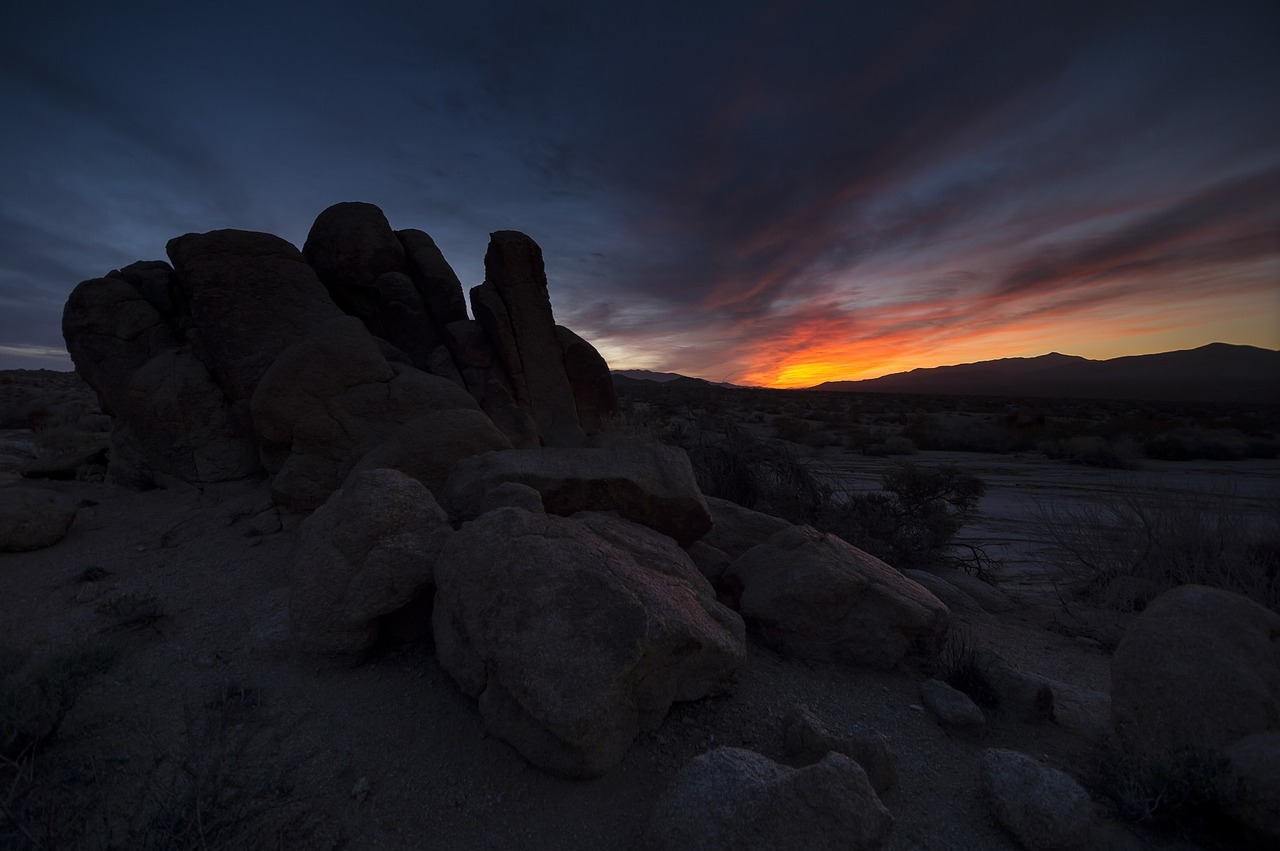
(807, 740)
(1042, 807)
(360, 791)
(33, 518)
(731, 798)
(950, 706)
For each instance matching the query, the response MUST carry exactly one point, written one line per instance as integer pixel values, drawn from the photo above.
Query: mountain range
(1218, 372)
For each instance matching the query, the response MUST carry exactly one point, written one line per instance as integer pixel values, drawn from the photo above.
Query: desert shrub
(913, 520)
(223, 783)
(1167, 447)
(34, 699)
(792, 429)
(635, 421)
(1184, 791)
(956, 434)
(961, 666)
(730, 463)
(894, 445)
(1093, 451)
(1162, 541)
(1211, 444)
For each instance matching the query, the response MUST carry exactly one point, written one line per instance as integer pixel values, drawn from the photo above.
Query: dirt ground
(209, 718)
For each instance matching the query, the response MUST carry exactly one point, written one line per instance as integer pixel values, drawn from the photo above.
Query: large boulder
(173, 420)
(429, 447)
(1199, 668)
(329, 400)
(731, 799)
(156, 282)
(735, 529)
(252, 296)
(814, 596)
(349, 246)
(589, 379)
(362, 555)
(571, 644)
(1253, 765)
(435, 279)
(647, 483)
(111, 331)
(33, 518)
(514, 307)
(484, 377)
(1045, 809)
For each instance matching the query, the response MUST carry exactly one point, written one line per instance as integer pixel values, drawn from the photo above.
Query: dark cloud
(718, 187)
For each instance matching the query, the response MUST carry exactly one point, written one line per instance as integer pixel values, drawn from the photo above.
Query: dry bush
(913, 521)
(222, 784)
(1185, 792)
(1125, 549)
(961, 666)
(731, 463)
(1120, 453)
(35, 698)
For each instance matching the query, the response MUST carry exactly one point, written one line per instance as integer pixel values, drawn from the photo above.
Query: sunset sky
(776, 193)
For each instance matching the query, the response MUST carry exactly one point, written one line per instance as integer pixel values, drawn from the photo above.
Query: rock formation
(239, 359)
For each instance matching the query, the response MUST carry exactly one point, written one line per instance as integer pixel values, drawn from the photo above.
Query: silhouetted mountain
(646, 375)
(674, 379)
(1218, 372)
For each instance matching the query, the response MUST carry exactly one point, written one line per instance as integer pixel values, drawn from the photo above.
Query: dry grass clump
(1124, 550)
(961, 666)
(223, 784)
(1184, 792)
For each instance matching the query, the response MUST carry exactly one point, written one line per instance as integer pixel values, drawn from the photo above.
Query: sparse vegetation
(1125, 550)
(35, 698)
(1183, 792)
(221, 785)
(913, 521)
(961, 666)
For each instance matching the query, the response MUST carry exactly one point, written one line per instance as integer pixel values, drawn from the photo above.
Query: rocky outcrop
(33, 518)
(514, 308)
(590, 380)
(572, 644)
(199, 362)
(647, 483)
(1042, 807)
(737, 799)
(252, 296)
(362, 555)
(813, 596)
(1200, 667)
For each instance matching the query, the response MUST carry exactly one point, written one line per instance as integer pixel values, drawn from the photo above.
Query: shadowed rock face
(233, 361)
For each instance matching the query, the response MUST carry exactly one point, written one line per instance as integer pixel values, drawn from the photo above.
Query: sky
(772, 193)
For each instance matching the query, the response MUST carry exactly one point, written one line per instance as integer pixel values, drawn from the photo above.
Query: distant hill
(674, 379)
(1218, 372)
(646, 375)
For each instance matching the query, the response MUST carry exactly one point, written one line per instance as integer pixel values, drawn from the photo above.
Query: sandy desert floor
(210, 704)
